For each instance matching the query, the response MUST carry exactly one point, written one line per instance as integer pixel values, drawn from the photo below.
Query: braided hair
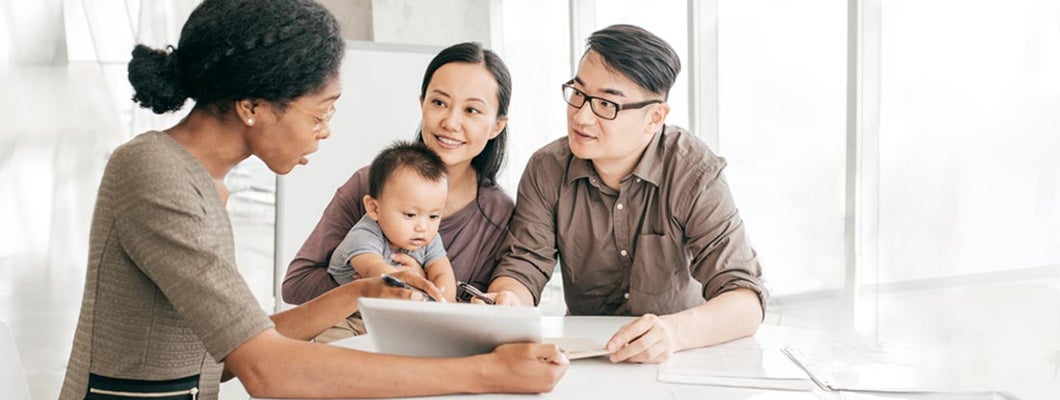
(230, 50)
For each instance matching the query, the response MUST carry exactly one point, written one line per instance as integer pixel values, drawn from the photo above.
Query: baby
(407, 186)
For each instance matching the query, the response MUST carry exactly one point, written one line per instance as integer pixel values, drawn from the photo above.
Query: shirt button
(626, 295)
(637, 180)
(619, 206)
(623, 253)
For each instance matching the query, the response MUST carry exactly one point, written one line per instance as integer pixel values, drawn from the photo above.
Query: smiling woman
(464, 97)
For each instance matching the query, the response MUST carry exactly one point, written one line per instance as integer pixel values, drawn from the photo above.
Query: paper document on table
(740, 363)
(578, 348)
(688, 392)
(888, 369)
(848, 395)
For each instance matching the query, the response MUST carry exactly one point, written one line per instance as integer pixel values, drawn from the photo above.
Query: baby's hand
(411, 279)
(406, 261)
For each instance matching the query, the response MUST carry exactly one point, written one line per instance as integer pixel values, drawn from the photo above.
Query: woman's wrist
(352, 291)
(480, 370)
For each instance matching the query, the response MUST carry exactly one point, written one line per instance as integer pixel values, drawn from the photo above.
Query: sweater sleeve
(307, 275)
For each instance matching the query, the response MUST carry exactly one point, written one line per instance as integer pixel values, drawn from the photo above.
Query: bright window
(781, 123)
(969, 174)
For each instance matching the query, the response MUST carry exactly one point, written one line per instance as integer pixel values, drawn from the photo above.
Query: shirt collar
(578, 169)
(649, 168)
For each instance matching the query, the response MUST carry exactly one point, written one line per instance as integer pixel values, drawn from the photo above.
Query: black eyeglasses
(605, 109)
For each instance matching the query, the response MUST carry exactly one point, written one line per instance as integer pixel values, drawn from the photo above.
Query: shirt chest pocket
(655, 263)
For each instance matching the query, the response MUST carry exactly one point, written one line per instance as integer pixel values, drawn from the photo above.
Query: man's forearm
(522, 293)
(728, 316)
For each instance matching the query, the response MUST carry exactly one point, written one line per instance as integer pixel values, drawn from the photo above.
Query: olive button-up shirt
(668, 240)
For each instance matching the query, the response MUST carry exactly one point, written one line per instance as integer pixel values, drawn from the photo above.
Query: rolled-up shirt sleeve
(529, 252)
(722, 256)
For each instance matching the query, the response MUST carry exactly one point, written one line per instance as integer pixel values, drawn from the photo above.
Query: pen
(398, 283)
(474, 292)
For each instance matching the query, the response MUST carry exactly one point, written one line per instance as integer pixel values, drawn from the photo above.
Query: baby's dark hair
(413, 155)
(231, 50)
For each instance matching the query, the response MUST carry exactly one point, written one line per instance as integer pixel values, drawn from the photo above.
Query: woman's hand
(524, 368)
(376, 287)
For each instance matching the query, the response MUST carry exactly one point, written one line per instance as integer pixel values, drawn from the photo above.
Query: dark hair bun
(156, 79)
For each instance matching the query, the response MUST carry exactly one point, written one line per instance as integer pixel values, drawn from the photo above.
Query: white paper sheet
(741, 363)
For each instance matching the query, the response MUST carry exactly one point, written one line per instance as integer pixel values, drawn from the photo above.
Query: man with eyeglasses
(637, 212)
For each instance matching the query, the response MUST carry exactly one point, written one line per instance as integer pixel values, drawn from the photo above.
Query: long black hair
(488, 162)
(231, 50)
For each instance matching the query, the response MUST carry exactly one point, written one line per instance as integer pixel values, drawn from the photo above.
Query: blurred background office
(897, 162)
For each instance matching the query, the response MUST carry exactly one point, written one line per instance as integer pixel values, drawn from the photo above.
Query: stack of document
(741, 363)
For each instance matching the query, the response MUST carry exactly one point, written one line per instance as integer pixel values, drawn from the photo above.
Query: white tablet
(428, 329)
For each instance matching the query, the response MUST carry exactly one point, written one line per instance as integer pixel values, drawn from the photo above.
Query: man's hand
(502, 298)
(648, 339)
(507, 291)
(507, 298)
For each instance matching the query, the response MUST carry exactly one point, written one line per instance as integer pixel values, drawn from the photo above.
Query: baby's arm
(370, 265)
(440, 272)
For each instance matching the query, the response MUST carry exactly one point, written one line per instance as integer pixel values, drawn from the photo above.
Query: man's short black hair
(638, 54)
(413, 155)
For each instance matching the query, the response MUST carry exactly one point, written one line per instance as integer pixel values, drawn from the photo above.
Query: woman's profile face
(460, 112)
(297, 130)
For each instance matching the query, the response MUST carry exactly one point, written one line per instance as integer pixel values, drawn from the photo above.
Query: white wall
(436, 22)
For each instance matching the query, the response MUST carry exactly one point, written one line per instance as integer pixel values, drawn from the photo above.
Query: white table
(598, 378)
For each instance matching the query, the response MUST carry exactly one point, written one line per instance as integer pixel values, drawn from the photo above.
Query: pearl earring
(250, 121)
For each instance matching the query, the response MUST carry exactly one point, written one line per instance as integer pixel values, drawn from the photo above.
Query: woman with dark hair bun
(464, 102)
(165, 312)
